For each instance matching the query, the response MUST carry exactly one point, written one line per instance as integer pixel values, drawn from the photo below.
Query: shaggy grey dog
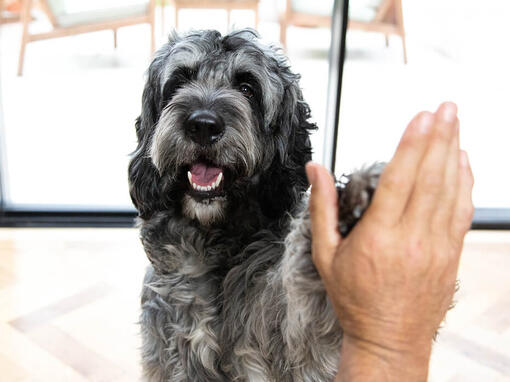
(219, 182)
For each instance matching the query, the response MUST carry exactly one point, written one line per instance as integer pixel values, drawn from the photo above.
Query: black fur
(238, 298)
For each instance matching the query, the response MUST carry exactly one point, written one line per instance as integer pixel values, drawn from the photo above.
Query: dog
(218, 178)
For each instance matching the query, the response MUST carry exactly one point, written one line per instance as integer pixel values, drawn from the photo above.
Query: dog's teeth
(210, 187)
(218, 180)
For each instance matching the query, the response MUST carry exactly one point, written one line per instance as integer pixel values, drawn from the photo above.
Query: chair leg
(25, 20)
(114, 38)
(257, 18)
(229, 16)
(387, 38)
(399, 16)
(176, 21)
(404, 47)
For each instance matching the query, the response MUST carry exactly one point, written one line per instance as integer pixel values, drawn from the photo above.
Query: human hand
(392, 279)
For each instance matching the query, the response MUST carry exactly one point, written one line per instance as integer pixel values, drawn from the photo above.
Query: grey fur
(232, 293)
(277, 323)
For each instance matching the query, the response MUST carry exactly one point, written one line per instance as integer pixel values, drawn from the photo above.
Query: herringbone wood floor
(69, 306)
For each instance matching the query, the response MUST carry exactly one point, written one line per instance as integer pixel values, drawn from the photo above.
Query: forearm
(366, 362)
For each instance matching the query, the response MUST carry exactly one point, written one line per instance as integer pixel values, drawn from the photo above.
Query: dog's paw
(355, 192)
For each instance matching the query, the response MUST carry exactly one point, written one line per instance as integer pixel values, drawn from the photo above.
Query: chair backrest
(64, 7)
(358, 9)
(69, 13)
(56, 7)
(364, 10)
(316, 7)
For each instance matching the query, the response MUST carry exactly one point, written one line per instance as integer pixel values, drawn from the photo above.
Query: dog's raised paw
(355, 193)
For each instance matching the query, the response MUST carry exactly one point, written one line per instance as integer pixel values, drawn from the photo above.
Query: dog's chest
(202, 310)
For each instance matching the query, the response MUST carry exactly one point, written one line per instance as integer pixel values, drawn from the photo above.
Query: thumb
(323, 206)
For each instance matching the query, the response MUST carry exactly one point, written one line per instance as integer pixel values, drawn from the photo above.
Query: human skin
(391, 281)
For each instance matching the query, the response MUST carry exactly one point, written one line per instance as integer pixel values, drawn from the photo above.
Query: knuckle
(373, 243)
(471, 180)
(416, 247)
(444, 131)
(431, 182)
(466, 213)
(424, 115)
(390, 180)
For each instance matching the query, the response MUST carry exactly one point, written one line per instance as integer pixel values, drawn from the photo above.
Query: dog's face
(220, 116)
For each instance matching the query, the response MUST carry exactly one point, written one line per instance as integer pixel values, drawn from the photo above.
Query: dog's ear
(144, 179)
(286, 179)
(292, 124)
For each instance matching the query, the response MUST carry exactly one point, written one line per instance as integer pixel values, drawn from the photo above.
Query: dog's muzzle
(205, 128)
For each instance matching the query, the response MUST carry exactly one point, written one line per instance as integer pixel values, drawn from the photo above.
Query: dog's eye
(246, 90)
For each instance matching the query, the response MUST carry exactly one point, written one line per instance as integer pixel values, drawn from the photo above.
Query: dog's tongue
(203, 174)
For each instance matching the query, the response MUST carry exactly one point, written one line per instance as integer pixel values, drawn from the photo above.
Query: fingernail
(310, 172)
(464, 160)
(448, 112)
(425, 122)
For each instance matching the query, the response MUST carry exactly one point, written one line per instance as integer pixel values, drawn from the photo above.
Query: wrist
(362, 360)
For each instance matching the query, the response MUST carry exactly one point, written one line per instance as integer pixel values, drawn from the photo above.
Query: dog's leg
(177, 327)
(155, 339)
(311, 331)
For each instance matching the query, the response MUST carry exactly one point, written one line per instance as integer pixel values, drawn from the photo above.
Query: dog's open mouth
(206, 180)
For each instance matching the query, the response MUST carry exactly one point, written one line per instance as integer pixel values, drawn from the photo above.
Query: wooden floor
(69, 303)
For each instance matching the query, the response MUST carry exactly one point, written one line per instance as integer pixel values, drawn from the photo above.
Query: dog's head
(222, 120)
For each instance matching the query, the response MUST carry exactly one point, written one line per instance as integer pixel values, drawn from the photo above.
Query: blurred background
(82, 92)
(71, 77)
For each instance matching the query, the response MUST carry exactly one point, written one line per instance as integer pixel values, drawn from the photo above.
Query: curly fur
(232, 293)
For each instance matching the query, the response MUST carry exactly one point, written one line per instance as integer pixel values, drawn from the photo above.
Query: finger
(464, 209)
(323, 206)
(430, 181)
(399, 176)
(446, 207)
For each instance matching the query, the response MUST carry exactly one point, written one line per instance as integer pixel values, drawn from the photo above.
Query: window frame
(44, 216)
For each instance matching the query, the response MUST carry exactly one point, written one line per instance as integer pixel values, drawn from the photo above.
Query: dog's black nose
(204, 127)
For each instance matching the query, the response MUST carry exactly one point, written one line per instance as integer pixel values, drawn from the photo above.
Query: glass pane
(456, 51)
(69, 118)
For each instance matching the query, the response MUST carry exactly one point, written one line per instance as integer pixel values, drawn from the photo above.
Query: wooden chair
(386, 18)
(389, 19)
(67, 24)
(306, 18)
(228, 5)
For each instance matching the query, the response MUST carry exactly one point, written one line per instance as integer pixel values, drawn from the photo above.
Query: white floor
(69, 120)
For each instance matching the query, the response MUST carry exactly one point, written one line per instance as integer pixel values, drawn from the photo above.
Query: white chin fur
(207, 212)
